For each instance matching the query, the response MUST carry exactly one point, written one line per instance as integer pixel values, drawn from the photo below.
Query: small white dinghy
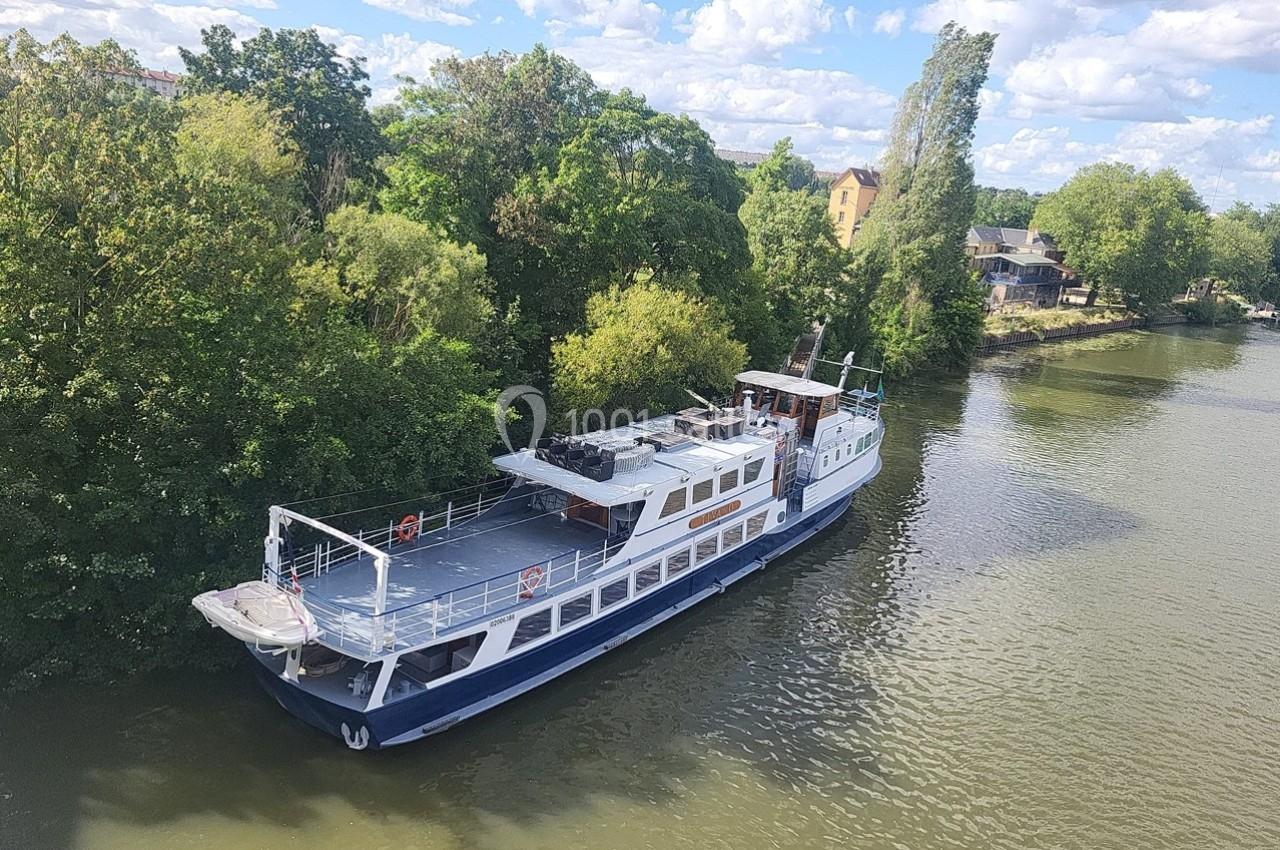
(257, 613)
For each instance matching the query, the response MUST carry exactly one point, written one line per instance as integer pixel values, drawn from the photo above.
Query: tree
(400, 277)
(1003, 207)
(164, 380)
(642, 348)
(320, 97)
(1141, 235)
(636, 194)
(783, 169)
(793, 248)
(910, 269)
(1240, 255)
(1266, 222)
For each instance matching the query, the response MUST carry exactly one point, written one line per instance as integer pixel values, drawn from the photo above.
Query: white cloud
(387, 57)
(1224, 159)
(153, 30)
(1023, 26)
(833, 117)
(850, 15)
(613, 18)
(431, 11)
(757, 28)
(890, 22)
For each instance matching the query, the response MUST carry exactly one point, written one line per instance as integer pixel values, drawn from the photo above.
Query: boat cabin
(804, 401)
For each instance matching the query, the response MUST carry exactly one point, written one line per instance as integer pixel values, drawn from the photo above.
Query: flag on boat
(880, 390)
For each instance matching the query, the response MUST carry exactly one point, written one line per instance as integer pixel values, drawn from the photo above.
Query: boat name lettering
(715, 514)
(506, 618)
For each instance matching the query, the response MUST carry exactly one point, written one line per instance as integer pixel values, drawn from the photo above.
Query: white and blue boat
(458, 603)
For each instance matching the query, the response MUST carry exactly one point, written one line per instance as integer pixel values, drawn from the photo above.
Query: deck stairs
(804, 354)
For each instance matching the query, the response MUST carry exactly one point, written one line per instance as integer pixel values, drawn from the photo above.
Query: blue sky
(1191, 84)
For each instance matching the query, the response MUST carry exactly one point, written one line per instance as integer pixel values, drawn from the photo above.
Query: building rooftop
(1010, 236)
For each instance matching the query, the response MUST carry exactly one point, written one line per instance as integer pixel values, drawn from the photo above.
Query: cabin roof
(787, 383)
(694, 461)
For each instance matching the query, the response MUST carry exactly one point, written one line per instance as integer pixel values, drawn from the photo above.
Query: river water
(1052, 622)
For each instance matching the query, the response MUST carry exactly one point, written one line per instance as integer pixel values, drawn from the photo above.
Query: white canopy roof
(787, 384)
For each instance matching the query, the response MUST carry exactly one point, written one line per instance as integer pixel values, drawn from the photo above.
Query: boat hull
(437, 709)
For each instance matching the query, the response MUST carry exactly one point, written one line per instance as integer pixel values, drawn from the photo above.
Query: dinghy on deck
(257, 613)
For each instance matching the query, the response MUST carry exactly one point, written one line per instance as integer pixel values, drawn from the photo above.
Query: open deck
(454, 558)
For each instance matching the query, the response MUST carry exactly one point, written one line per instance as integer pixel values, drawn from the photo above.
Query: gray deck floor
(419, 573)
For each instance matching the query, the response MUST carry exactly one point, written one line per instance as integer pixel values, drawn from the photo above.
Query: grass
(1057, 317)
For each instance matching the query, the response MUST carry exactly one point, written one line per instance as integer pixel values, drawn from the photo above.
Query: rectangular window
(732, 537)
(708, 548)
(674, 503)
(613, 592)
(840, 218)
(677, 563)
(728, 481)
(575, 609)
(844, 197)
(647, 577)
(702, 491)
(531, 627)
(755, 525)
(751, 471)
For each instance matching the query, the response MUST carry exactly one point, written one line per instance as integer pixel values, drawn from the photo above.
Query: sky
(1192, 84)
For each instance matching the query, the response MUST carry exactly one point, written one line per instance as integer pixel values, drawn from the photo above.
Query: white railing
(367, 634)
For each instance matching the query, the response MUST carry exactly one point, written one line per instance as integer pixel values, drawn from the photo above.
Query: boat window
(613, 592)
(732, 537)
(531, 627)
(755, 524)
(702, 491)
(674, 503)
(837, 452)
(728, 480)
(824, 461)
(751, 471)
(677, 562)
(575, 609)
(707, 548)
(647, 577)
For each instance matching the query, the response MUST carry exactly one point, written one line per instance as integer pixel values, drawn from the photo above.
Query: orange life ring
(408, 528)
(530, 580)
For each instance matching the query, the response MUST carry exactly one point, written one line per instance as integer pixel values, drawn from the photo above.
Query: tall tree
(642, 348)
(793, 247)
(320, 96)
(1139, 235)
(635, 193)
(783, 169)
(910, 261)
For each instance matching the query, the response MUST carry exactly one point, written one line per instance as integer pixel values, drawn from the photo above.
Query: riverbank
(1054, 325)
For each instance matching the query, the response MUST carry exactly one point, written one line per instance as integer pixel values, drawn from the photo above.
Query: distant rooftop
(1010, 236)
(750, 159)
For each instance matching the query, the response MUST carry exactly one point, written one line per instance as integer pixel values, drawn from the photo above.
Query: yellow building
(851, 196)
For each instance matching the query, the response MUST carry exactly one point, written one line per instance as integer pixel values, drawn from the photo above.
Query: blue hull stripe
(439, 708)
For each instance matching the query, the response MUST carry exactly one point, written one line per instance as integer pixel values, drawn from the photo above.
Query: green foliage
(320, 97)
(1240, 255)
(793, 250)
(1003, 207)
(1266, 223)
(1144, 236)
(159, 382)
(911, 273)
(1212, 310)
(782, 169)
(399, 277)
(642, 348)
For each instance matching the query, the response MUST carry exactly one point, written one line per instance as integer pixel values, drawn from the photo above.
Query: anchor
(359, 740)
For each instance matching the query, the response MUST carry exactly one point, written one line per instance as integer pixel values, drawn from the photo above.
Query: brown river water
(1052, 622)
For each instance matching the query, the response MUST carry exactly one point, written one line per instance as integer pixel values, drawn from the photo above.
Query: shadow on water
(769, 676)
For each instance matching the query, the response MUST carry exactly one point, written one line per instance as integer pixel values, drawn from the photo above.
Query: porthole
(782, 515)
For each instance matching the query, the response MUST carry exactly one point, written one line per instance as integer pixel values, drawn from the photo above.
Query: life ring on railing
(408, 528)
(530, 580)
